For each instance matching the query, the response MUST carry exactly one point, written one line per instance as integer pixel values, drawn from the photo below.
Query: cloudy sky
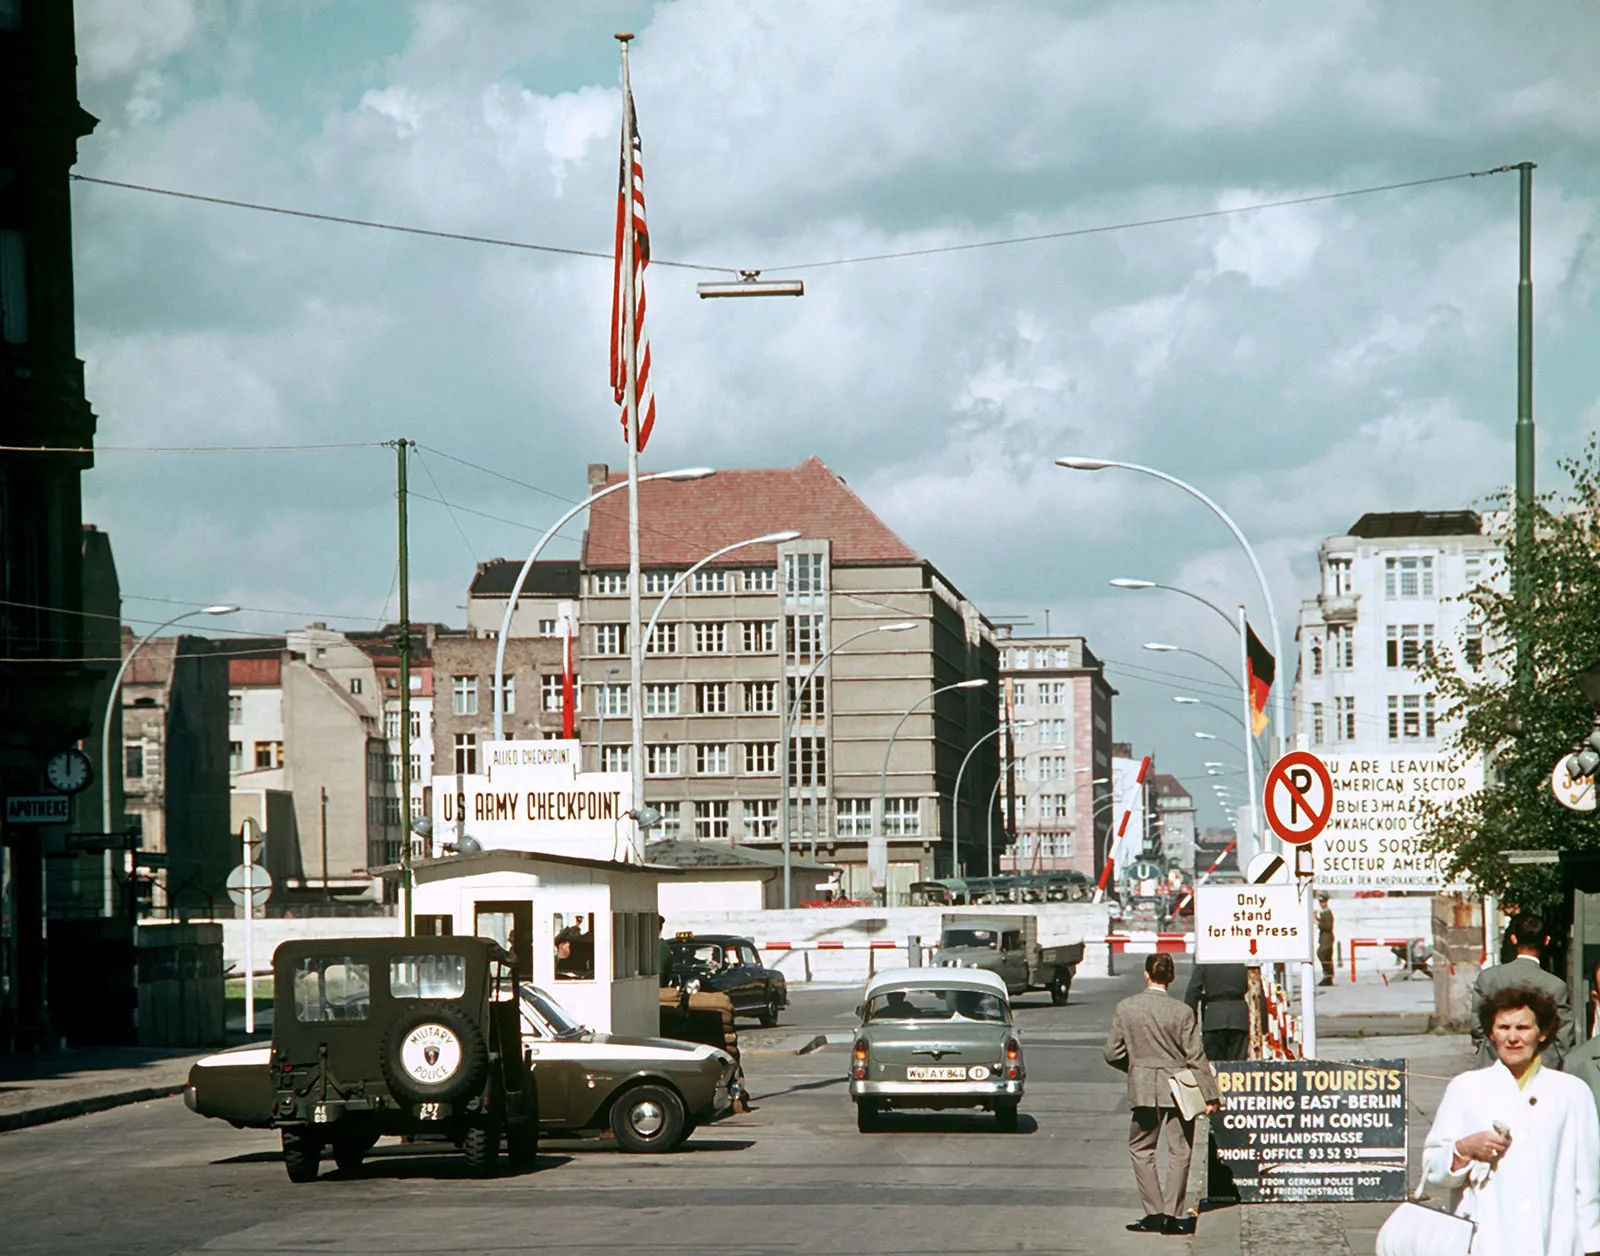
(1302, 365)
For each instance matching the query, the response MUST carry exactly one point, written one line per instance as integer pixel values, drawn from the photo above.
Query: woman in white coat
(1520, 1142)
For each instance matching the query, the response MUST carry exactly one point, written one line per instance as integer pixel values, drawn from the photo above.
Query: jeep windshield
(981, 938)
(551, 1013)
(934, 1003)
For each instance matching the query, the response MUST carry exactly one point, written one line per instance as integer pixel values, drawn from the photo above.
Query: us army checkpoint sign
(1252, 924)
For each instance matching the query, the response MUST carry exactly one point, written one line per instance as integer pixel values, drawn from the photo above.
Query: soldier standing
(1325, 938)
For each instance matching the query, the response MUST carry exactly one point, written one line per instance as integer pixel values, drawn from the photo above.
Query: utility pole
(1525, 498)
(325, 894)
(404, 643)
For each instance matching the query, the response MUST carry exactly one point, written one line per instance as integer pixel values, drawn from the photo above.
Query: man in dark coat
(1216, 992)
(1325, 939)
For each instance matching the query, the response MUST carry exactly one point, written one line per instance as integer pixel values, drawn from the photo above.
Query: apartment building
(882, 634)
(1389, 593)
(1060, 701)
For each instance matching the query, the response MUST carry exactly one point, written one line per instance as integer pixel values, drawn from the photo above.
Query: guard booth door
(511, 925)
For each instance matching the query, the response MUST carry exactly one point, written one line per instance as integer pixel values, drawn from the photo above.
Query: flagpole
(631, 401)
(1250, 736)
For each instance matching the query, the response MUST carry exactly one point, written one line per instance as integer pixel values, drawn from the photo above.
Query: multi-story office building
(730, 652)
(1389, 594)
(1174, 820)
(1058, 691)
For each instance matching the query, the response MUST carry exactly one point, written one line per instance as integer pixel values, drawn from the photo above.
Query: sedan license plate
(933, 1073)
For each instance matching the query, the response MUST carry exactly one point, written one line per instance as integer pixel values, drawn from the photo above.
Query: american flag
(632, 164)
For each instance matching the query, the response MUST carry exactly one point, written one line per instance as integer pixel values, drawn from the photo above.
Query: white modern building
(1389, 593)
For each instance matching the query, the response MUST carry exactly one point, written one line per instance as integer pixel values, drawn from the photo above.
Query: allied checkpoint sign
(1312, 1131)
(1374, 834)
(532, 797)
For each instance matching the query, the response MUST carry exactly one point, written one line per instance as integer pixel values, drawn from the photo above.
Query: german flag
(1262, 667)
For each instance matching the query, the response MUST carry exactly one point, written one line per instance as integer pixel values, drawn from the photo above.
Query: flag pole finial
(623, 36)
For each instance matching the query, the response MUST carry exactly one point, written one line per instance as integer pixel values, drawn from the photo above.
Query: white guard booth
(553, 860)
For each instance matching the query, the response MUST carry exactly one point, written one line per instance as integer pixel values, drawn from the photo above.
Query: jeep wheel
(648, 1119)
(302, 1155)
(522, 1144)
(769, 1014)
(1059, 989)
(867, 1116)
(481, 1146)
(433, 1053)
(1005, 1116)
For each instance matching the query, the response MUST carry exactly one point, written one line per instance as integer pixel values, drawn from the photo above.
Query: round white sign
(1576, 793)
(431, 1054)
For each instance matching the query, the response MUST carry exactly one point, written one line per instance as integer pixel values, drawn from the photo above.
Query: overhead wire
(428, 471)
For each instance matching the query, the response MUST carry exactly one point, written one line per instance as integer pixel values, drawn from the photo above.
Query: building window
(711, 759)
(1472, 569)
(1052, 732)
(391, 767)
(1052, 806)
(661, 699)
(547, 628)
(1429, 722)
(133, 759)
(355, 684)
(709, 580)
(802, 636)
(236, 708)
(614, 699)
(416, 725)
(616, 758)
(853, 817)
(663, 639)
(902, 817)
(1019, 660)
(761, 697)
(466, 754)
(1408, 577)
(1342, 647)
(551, 693)
(611, 638)
(609, 583)
(710, 638)
(1407, 720)
(657, 582)
(662, 760)
(416, 773)
(760, 579)
(1341, 577)
(464, 695)
(1055, 767)
(1316, 724)
(1052, 692)
(760, 817)
(761, 758)
(1316, 658)
(814, 701)
(1408, 644)
(391, 724)
(759, 636)
(809, 762)
(1344, 719)
(1019, 692)
(711, 698)
(391, 809)
(802, 575)
(236, 756)
(1472, 645)
(269, 754)
(711, 821)
(508, 695)
(671, 825)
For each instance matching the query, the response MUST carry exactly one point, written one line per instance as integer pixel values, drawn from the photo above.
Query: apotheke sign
(1374, 837)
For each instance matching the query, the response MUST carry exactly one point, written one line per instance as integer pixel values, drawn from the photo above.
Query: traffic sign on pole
(1252, 924)
(1298, 798)
(257, 878)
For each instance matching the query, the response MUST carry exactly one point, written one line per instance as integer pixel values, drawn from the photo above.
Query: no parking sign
(1299, 797)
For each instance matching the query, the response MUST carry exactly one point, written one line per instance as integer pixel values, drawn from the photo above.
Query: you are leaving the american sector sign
(1312, 1131)
(1373, 839)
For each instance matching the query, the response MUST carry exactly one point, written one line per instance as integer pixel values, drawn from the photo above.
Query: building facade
(1389, 593)
(877, 734)
(1061, 701)
(1176, 830)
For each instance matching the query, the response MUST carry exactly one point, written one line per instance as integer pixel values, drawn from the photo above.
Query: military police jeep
(401, 1036)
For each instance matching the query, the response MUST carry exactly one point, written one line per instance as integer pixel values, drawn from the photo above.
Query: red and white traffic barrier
(828, 944)
(1149, 943)
(1283, 1031)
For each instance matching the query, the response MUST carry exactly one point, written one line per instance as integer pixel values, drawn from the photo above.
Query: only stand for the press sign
(1297, 801)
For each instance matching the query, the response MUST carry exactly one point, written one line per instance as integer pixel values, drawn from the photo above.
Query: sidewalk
(76, 1081)
(1342, 1229)
(1370, 1006)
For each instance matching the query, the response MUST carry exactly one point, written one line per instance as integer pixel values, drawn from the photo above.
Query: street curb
(83, 1107)
(816, 1043)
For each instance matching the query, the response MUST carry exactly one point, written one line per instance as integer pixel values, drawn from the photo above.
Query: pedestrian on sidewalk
(1519, 1141)
(1153, 1036)
(1216, 993)
(1527, 934)
(1325, 938)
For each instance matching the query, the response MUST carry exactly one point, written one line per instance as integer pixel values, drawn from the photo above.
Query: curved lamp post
(1070, 795)
(1073, 463)
(689, 473)
(1162, 647)
(955, 795)
(1128, 582)
(878, 851)
(790, 714)
(111, 704)
(1261, 755)
(770, 538)
(1094, 812)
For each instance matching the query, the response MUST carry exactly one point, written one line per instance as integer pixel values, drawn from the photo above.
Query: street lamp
(955, 795)
(878, 851)
(688, 473)
(770, 538)
(1162, 647)
(111, 704)
(790, 714)
(1070, 795)
(1261, 757)
(1127, 582)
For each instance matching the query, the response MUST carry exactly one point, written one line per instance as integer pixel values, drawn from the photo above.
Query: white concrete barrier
(276, 929)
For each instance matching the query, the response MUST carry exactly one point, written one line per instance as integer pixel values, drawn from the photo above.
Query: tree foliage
(1521, 735)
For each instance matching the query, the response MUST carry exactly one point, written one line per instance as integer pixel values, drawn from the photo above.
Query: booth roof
(472, 862)
(680, 853)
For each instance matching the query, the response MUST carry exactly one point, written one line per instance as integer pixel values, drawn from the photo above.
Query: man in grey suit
(1527, 934)
(1216, 992)
(1153, 1036)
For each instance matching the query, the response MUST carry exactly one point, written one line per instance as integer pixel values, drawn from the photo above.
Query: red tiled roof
(680, 523)
(268, 672)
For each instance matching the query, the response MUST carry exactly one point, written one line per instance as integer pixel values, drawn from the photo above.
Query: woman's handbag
(1415, 1229)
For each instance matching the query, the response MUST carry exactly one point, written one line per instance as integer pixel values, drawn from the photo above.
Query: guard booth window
(332, 988)
(574, 945)
(511, 925)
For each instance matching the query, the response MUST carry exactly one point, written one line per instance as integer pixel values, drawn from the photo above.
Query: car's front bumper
(940, 1093)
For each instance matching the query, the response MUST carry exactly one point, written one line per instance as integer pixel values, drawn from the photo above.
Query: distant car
(727, 964)
(936, 1038)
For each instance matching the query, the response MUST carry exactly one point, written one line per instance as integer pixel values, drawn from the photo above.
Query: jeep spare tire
(433, 1053)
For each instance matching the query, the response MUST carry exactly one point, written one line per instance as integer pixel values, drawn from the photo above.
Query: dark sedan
(725, 964)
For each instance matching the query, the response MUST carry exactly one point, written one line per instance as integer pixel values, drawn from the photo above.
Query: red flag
(631, 186)
(568, 705)
(1262, 667)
